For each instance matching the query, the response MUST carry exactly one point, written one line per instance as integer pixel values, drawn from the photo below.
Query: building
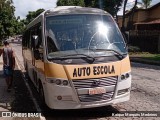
(142, 17)
(144, 28)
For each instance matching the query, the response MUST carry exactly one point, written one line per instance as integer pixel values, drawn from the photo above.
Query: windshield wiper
(91, 60)
(122, 56)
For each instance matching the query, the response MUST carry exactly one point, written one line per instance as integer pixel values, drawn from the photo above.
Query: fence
(147, 41)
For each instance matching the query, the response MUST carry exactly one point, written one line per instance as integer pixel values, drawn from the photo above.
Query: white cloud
(23, 6)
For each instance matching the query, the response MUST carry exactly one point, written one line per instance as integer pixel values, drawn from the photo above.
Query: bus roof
(60, 10)
(64, 10)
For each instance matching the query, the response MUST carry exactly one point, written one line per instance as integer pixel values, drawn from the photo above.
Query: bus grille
(88, 83)
(98, 97)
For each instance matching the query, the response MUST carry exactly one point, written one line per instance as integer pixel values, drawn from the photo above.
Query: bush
(134, 49)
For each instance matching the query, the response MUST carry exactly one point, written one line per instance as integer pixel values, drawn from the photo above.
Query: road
(145, 96)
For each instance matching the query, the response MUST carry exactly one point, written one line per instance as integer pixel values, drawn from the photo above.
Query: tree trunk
(123, 20)
(130, 21)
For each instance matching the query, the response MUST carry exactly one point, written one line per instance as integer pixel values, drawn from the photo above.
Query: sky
(24, 6)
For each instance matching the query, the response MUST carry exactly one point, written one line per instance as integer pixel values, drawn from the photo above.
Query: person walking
(8, 63)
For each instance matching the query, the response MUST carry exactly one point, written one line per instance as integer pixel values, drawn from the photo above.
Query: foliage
(133, 49)
(146, 3)
(9, 24)
(70, 3)
(31, 15)
(123, 20)
(145, 55)
(130, 21)
(7, 19)
(111, 6)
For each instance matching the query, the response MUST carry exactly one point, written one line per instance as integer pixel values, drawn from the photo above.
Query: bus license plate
(98, 90)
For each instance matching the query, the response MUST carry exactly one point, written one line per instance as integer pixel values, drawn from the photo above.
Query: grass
(146, 55)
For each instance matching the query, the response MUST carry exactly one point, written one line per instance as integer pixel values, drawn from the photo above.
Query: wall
(142, 16)
(154, 13)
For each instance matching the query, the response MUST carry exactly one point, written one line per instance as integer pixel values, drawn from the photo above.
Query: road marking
(20, 67)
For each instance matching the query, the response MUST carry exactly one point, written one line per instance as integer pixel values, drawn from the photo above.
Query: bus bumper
(75, 105)
(65, 97)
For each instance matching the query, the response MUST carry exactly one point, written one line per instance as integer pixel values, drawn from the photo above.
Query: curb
(28, 87)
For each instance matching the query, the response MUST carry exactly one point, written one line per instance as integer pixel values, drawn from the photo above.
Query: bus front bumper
(64, 97)
(76, 105)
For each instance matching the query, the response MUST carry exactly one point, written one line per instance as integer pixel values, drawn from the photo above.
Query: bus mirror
(35, 39)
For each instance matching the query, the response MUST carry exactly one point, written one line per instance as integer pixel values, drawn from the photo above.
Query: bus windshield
(82, 34)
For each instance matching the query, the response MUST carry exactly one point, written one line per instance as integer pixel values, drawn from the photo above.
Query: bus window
(79, 32)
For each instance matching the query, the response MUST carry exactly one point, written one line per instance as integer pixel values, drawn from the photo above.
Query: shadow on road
(82, 114)
(22, 101)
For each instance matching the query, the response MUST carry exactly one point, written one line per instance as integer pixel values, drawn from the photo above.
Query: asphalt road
(145, 96)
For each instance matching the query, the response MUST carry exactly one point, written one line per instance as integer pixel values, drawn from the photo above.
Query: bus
(77, 58)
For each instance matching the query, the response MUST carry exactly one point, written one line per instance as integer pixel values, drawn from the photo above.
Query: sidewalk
(6, 98)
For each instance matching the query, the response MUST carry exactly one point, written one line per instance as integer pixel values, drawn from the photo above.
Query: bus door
(33, 36)
(37, 51)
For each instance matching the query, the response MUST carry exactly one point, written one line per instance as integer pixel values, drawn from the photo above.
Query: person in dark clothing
(8, 63)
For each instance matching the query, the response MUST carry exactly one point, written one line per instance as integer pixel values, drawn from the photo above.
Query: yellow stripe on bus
(87, 71)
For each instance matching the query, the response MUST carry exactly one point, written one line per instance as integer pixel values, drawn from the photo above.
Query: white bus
(76, 57)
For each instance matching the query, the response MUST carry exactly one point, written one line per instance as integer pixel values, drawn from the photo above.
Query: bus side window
(37, 44)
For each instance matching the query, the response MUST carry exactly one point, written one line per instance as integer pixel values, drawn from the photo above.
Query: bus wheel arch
(25, 66)
(26, 73)
(41, 92)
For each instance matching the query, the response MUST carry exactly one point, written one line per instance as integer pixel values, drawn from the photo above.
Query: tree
(70, 3)
(7, 19)
(130, 21)
(18, 27)
(146, 3)
(111, 6)
(88, 3)
(123, 19)
(32, 14)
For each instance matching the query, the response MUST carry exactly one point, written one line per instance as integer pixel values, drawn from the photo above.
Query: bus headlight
(58, 82)
(125, 76)
(122, 77)
(65, 82)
